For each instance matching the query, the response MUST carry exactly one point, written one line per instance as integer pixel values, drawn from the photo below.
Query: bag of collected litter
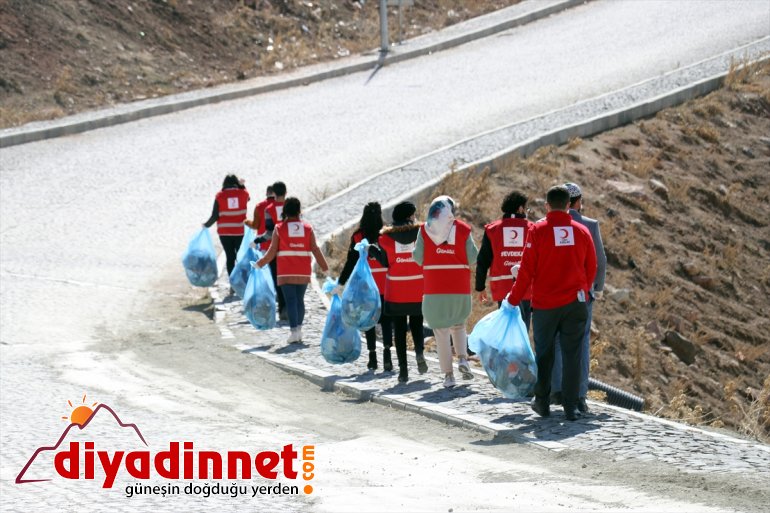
(361, 299)
(329, 285)
(259, 298)
(339, 343)
(248, 238)
(500, 340)
(240, 275)
(200, 260)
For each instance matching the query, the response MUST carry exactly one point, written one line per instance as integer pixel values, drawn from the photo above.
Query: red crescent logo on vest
(564, 234)
(515, 235)
(294, 227)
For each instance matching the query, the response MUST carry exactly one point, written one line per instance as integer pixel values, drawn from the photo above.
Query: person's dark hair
(557, 197)
(512, 202)
(371, 221)
(279, 188)
(269, 191)
(291, 208)
(230, 182)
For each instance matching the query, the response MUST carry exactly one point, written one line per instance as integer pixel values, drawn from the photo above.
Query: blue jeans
(294, 295)
(585, 359)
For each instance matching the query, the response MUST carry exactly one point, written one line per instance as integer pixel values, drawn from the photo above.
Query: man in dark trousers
(559, 263)
(575, 208)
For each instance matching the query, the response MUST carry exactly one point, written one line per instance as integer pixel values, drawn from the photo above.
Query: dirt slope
(62, 57)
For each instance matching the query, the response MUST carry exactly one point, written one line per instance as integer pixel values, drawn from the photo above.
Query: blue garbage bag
(501, 341)
(248, 238)
(329, 285)
(240, 275)
(259, 299)
(200, 260)
(361, 303)
(339, 343)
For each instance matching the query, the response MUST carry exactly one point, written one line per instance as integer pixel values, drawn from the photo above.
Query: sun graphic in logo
(80, 414)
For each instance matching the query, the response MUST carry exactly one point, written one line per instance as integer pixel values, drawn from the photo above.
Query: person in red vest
(445, 250)
(273, 215)
(258, 223)
(403, 285)
(501, 250)
(369, 228)
(292, 246)
(229, 212)
(559, 264)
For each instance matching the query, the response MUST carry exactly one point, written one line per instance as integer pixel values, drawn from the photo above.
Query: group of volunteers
(552, 270)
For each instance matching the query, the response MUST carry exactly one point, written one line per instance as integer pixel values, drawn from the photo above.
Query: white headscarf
(441, 217)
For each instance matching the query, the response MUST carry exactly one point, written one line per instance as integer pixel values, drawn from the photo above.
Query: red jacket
(378, 271)
(559, 260)
(445, 267)
(274, 210)
(232, 211)
(508, 238)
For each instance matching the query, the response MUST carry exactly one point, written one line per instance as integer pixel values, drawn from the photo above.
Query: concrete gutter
(476, 28)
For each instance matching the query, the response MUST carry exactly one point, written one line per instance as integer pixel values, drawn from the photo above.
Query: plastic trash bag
(259, 299)
(248, 238)
(361, 302)
(200, 260)
(329, 285)
(339, 343)
(242, 270)
(500, 340)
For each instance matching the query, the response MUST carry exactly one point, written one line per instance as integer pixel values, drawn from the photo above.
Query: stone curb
(332, 383)
(178, 103)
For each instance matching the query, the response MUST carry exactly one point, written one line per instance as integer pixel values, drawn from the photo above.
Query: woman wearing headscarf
(229, 212)
(403, 285)
(446, 250)
(369, 228)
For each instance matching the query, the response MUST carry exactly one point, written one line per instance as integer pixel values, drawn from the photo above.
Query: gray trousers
(568, 322)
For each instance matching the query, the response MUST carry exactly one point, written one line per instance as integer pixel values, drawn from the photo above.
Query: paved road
(93, 226)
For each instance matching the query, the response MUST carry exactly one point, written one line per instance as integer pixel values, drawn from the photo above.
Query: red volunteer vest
(445, 267)
(293, 258)
(232, 211)
(261, 208)
(403, 281)
(274, 210)
(508, 238)
(378, 271)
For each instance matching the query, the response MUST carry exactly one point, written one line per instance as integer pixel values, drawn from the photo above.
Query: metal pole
(400, 2)
(384, 27)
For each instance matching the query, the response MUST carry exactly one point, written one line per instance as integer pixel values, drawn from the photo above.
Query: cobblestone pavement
(477, 404)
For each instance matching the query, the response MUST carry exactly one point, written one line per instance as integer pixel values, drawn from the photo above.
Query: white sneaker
(449, 380)
(299, 334)
(292, 336)
(465, 369)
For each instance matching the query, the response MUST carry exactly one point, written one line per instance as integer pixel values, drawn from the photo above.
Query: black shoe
(403, 375)
(571, 413)
(372, 365)
(556, 398)
(540, 407)
(387, 364)
(422, 365)
(582, 406)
